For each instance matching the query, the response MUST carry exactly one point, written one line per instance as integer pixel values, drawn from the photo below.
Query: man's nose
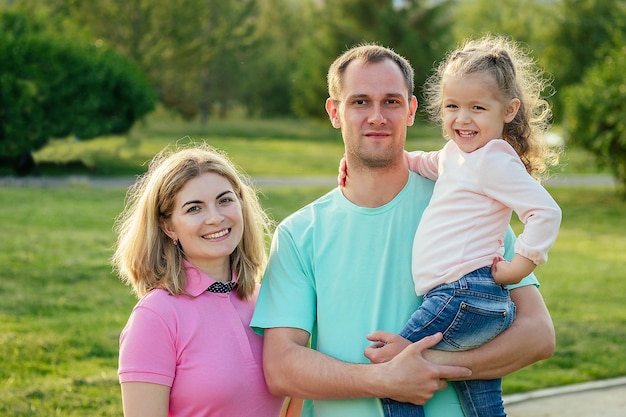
(377, 116)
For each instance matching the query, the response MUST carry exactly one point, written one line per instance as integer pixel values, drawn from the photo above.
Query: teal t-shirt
(340, 272)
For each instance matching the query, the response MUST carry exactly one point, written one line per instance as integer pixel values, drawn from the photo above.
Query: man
(340, 268)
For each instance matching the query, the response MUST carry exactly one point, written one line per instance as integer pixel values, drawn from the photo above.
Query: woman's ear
(168, 230)
(511, 110)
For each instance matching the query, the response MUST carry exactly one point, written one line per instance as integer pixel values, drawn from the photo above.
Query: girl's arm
(503, 178)
(424, 163)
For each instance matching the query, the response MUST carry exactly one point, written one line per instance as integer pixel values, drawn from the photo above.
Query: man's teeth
(216, 235)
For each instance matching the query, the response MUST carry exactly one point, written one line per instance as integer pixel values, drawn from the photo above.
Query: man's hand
(385, 347)
(411, 378)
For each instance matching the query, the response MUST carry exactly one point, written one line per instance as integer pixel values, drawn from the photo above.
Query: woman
(191, 232)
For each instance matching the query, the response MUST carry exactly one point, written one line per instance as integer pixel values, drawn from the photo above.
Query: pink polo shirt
(202, 347)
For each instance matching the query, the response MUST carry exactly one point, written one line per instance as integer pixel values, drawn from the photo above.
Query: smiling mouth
(217, 235)
(466, 134)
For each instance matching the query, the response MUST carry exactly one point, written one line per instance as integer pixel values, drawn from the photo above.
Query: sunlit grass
(61, 308)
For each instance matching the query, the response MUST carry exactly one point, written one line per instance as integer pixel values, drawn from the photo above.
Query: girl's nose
(463, 116)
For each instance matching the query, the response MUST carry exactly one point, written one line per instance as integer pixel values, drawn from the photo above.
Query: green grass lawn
(61, 309)
(261, 147)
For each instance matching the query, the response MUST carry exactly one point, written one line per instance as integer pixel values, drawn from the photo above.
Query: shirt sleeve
(504, 178)
(147, 349)
(287, 297)
(424, 163)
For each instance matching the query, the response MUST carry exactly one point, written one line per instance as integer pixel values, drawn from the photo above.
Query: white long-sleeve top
(475, 193)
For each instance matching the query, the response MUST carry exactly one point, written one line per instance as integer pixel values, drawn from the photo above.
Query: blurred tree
(596, 112)
(276, 48)
(580, 37)
(525, 21)
(416, 29)
(53, 86)
(191, 50)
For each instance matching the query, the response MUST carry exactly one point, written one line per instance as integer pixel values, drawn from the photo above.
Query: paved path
(591, 399)
(98, 182)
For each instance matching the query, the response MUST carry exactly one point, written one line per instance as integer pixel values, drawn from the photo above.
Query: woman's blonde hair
(146, 258)
(517, 76)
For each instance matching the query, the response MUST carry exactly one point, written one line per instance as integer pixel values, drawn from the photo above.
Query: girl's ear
(512, 109)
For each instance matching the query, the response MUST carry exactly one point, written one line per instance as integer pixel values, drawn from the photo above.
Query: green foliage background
(53, 86)
(596, 117)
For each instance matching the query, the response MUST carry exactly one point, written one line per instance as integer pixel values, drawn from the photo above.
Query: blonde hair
(517, 76)
(145, 257)
(368, 53)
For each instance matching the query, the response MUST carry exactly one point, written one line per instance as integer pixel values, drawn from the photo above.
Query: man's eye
(359, 102)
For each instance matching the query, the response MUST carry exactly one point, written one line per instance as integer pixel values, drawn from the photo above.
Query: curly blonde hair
(145, 257)
(517, 76)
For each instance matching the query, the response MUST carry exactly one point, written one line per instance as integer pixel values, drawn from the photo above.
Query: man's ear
(412, 110)
(333, 112)
(511, 110)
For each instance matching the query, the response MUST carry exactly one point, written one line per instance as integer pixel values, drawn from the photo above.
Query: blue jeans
(469, 312)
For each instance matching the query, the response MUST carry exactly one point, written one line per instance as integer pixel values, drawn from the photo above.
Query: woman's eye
(193, 209)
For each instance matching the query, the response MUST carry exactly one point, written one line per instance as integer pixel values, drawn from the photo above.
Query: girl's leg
(393, 408)
(480, 398)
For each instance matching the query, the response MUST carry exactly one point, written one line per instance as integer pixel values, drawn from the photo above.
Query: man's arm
(293, 369)
(528, 340)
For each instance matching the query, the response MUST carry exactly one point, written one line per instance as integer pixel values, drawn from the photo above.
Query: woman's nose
(213, 216)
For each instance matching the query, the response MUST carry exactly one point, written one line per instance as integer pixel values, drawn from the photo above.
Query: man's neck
(375, 187)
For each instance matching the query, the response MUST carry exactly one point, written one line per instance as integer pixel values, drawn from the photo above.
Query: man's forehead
(382, 78)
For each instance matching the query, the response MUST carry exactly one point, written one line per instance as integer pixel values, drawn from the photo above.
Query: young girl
(487, 97)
